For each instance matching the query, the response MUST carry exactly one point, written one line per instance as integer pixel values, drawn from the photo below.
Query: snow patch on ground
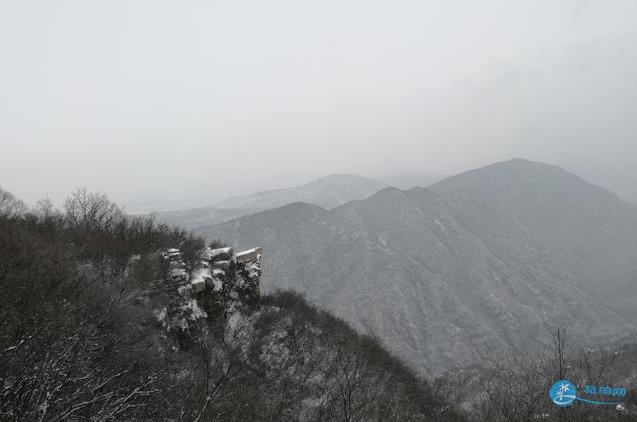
(440, 225)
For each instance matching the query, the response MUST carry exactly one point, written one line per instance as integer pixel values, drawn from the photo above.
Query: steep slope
(119, 324)
(327, 192)
(539, 205)
(480, 264)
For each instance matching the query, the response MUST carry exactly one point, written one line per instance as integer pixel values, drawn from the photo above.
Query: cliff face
(219, 283)
(290, 361)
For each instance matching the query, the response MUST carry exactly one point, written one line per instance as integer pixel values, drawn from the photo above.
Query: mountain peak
(509, 174)
(518, 163)
(525, 164)
(494, 256)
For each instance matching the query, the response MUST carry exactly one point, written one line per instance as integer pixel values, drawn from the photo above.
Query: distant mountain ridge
(484, 262)
(327, 192)
(410, 180)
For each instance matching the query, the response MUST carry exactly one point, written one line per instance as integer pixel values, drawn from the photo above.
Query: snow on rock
(160, 315)
(200, 277)
(206, 254)
(233, 280)
(253, 269)
(176, 267)
(217, 284)
(249, 256)
(180, 316)
(178, 274)
(220, 253)
(222, 264)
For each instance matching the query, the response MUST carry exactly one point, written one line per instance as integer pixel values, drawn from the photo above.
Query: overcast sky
(144, 98)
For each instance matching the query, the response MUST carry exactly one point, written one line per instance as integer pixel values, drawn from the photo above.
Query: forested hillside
(476, 266)
(105, 317)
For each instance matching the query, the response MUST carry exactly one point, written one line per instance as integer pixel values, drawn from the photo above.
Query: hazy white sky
(158, 97)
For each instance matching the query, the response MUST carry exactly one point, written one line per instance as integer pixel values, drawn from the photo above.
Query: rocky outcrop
(220, 282)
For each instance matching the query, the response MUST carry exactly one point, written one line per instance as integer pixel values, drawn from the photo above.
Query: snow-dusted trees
(80, 338)
(75, 343)
(289, 361)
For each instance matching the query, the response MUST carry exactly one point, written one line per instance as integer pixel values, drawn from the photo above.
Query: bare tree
(44, 210)
(92, 211)
(517, 390)
(10, 206)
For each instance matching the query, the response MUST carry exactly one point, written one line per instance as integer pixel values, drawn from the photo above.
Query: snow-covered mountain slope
(481, 264)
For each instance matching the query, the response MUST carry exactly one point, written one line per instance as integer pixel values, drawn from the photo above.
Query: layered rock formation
(219, 282)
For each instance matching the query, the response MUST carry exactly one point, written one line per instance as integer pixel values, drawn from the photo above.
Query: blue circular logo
(563, 393)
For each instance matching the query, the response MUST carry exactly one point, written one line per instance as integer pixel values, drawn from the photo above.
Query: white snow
(217, 284)
(222, 263)
(161, 315)
(440, 225)
(199, 277)
(206, 253)
(178, 273)
(219, 251)
(252, 268)
(247, 252)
